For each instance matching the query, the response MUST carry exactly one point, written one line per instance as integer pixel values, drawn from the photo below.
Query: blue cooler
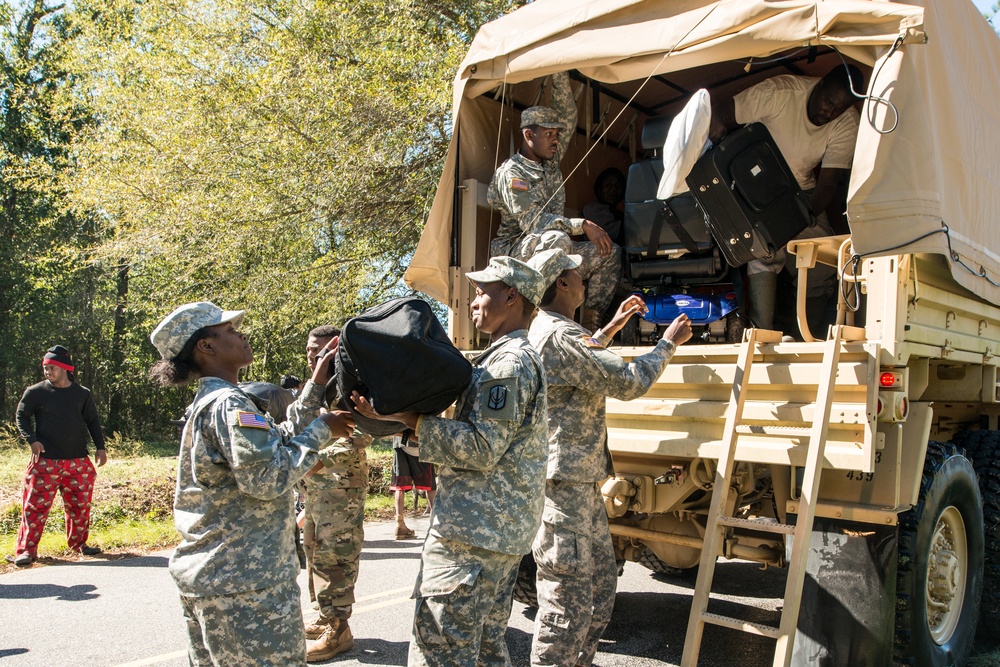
(664, 308)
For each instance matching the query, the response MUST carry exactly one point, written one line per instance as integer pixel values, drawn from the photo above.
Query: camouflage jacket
(345, 465)
(581, 372)
(232, 506)
(529, 195)
(491, 457)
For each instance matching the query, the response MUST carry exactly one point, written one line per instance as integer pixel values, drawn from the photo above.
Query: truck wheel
(651, 561)
(940, 563)
(983, 447)
(524, 585)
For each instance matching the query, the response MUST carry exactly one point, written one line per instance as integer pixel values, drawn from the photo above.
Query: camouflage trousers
(463, 604)
(576, 580)
(247, 629)
(603, 273)
(334, 534)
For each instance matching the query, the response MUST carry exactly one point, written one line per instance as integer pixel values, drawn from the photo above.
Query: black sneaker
(90, 551)
(21, 560)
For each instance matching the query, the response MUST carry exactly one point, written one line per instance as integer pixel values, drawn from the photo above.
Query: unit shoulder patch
(498, 399)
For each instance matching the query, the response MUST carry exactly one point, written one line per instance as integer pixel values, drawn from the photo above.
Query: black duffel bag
(399, 357)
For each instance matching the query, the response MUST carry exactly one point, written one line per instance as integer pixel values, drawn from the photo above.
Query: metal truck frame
(866, 459)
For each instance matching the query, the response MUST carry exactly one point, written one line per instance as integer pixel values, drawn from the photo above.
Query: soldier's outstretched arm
(587, 363)
(565, 107)
(308, 404)
(265, 462)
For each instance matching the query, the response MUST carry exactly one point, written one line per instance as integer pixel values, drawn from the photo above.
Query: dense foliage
(272, 155)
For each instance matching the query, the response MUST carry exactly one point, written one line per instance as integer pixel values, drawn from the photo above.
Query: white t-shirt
(780, 103)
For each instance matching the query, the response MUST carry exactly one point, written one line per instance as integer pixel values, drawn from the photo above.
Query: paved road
(125, 613)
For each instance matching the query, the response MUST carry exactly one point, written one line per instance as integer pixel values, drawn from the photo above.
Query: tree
(276, 155)
(47, 284)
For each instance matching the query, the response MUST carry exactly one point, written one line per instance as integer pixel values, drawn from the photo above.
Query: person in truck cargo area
(527, 191)
(814, 124)
(490, 461)
(56, 417)
(235, 567)
(333, 534)
(577, 574)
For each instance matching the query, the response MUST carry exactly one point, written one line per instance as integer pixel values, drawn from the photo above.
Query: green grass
(127, 537)
(133, 496)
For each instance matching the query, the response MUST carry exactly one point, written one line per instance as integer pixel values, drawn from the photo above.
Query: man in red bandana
(54, 417)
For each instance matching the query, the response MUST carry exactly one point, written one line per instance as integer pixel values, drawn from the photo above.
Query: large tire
(524, 585)
(983, 447)
(940, 564)
(651, 561)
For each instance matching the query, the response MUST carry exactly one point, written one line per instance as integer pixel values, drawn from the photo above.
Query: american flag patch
(590, 341)
(519, 184)
(253, 420)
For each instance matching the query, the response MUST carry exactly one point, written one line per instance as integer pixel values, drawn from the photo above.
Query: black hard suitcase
(399, 356)
(752, 203)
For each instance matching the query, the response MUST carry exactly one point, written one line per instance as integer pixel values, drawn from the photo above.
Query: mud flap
(847, 613)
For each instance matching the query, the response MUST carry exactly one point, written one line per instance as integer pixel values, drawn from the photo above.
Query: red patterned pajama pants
(74, 478)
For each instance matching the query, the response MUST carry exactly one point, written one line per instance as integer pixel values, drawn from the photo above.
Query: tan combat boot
(316, 628)
(336, 639)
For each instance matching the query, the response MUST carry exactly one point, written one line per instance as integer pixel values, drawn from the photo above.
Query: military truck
(864, 458)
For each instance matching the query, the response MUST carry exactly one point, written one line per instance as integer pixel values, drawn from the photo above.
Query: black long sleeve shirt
(62, 418)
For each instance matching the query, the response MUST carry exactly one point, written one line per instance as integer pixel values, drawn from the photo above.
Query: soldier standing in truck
(577, 573)
(814, 125)
(527, 191)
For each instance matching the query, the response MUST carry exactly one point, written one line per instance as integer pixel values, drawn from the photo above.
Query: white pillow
(686, 141)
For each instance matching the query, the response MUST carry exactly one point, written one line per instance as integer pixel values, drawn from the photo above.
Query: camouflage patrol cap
(541, 116)
(172, 334)
(551, 263)
(513, 272)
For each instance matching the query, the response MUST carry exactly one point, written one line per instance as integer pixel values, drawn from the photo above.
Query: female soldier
(235, 567)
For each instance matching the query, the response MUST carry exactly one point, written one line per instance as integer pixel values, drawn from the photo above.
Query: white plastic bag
(687, 140)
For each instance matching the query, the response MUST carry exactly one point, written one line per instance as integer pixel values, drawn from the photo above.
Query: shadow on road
(379, 652)
(389, 555)
(36, 591)
(123, 560)
(518, 645)
(7, 652)
(731, 578)
(392, 544)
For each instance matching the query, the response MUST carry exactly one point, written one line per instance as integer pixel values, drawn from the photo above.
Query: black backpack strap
(666, 214)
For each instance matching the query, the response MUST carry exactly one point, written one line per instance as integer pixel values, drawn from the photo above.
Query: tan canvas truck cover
(939, 164)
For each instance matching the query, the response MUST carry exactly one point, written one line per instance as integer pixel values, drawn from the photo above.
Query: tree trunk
(115, 417)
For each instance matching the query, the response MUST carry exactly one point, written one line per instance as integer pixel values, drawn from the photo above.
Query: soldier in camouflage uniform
(527, 191)
(235, 567)
(334, 533)
(577, 574)
(491, 469)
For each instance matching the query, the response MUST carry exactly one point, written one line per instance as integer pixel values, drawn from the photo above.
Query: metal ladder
(720, 517)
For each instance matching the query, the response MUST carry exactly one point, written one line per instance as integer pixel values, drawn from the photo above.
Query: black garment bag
(399, 357)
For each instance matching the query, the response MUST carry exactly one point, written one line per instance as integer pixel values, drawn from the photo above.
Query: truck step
(768, 429)
(741, 625)
(758, 524)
